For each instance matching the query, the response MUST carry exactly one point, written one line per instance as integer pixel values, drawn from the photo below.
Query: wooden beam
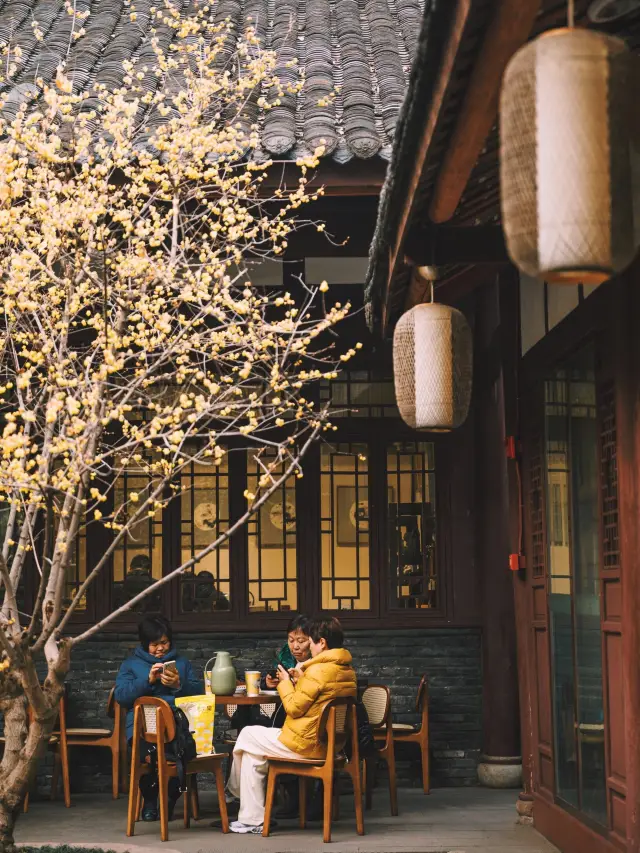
(507, 32)
(355, 178)
(442, 245)
(450, 290)
(440, 91)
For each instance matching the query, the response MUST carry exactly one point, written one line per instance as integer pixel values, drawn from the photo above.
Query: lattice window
(137, 561)
(412, 524)
(609, 478)
(204, 516)
(361, 394)
(344, 511)
(271, 533)
(76, 572)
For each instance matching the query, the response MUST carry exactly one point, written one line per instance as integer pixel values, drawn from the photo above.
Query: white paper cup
(252, 680)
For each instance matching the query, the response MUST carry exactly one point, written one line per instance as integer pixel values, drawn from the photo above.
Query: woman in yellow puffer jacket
(328, 675)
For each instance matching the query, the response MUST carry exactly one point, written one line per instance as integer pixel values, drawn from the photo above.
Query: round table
(243, 699)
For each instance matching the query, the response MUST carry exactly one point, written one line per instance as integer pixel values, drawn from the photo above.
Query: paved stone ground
(450, 820)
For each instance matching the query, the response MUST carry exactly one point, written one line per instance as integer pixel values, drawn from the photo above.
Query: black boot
(149, 791)
(174, 795)
(291, 807)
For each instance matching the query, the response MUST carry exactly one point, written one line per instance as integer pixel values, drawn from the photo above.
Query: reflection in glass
(204, 516)
(412, 524)
(271, 534)
(574, 600)
(344, 526)
(137, 560)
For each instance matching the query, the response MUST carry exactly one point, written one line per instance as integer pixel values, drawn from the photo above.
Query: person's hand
(283, 675)
(170, 678)
(271, 681)
(155, 673)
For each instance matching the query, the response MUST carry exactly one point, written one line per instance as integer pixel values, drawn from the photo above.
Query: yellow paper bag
(200, 711)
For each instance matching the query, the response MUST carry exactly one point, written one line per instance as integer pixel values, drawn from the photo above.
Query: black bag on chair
(181, 750)
(366, 740)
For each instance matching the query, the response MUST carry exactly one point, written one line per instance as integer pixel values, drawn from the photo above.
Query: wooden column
(628, 451)
(509, 296)
(501, 764)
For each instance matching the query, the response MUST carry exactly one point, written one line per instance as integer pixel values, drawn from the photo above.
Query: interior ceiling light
(608, 11)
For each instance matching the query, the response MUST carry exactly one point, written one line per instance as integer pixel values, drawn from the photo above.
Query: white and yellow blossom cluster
(132, 336)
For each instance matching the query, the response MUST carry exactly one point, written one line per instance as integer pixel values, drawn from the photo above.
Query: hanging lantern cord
(571, 14)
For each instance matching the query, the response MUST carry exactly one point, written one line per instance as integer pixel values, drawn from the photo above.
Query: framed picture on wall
(351, 518)
(276, 516)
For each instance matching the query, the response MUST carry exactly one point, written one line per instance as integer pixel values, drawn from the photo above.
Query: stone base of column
(500, 771)
(524, 807)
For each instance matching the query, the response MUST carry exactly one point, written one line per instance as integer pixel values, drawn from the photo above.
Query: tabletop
(243, 699)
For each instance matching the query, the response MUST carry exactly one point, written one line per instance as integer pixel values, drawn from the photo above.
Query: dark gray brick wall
(450, 657)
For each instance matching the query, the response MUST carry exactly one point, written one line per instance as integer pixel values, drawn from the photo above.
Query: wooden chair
(377, 701)
(154, 723)
(406, 733)
(114, 739)
(267, 710)
(337, 726)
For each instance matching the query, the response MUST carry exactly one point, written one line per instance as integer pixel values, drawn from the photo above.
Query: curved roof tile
(355, 55)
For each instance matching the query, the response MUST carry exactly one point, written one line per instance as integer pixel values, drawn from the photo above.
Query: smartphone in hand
(170, 666)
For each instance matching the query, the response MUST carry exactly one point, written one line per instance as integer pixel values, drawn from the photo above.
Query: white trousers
(248, 779)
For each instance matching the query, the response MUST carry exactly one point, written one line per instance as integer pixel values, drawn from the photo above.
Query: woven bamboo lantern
(565, 113)
(433, 367)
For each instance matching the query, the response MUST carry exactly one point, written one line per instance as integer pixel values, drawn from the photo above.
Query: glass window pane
(344, 510)
(271, 533)
(204, 515)
(77, 571)
(574, 601)
(412, 524)
(361, 394)
(137, 561)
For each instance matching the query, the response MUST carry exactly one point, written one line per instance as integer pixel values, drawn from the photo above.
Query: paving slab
(449, 820)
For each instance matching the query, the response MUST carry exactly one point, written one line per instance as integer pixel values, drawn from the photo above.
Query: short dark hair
(140, 562)
(300, 622)
(329, 630)
(151, 628)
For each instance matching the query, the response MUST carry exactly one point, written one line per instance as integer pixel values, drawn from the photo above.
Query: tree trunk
(26, 736)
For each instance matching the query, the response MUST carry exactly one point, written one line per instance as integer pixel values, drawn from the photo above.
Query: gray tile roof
(364, 47)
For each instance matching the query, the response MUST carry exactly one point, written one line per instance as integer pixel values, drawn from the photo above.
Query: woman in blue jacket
(143, 674)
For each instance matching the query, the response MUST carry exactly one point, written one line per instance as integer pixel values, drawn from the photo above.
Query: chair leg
(328, 806)
(221, 798)
(390, 758)
(188, 797)
(302, 799)
(115, 771)
(271, 793)
(424, 754)
(195, 800)
(357, 797)
(66, 782)
(135, 802)
(163, 796)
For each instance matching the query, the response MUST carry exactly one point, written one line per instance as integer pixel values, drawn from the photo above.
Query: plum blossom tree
(132, 337)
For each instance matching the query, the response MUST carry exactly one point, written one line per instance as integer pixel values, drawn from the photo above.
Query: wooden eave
(456, 178)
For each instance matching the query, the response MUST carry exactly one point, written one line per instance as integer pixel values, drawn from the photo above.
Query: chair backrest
(268, 710)
(377, 702)
(337, 723)
(153, 720)
(229, 710)
(112, 705)
(422, 698)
